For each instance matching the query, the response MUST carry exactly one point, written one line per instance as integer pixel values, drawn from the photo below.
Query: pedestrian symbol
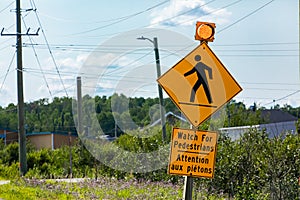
(199, 84)
(200, 71)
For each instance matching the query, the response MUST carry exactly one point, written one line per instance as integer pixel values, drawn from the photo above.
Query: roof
(48, 133)
(275, 116)
(7, 129)
(168, 114)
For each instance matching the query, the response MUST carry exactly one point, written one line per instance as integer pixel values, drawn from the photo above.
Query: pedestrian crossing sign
(199, 84)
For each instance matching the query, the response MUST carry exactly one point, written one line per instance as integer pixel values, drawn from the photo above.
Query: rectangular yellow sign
(193, 153)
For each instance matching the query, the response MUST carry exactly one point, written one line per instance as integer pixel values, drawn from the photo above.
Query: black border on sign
(215, 158)
(205, 46)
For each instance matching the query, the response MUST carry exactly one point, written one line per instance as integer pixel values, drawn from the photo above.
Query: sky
(257, 41)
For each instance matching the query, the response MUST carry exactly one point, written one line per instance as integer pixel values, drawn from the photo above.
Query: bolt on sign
(193, 153)
(199, 84)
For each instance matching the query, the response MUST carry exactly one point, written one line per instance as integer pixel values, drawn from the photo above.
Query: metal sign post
(199, 85)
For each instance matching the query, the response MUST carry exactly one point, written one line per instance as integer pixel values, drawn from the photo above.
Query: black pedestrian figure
(202, 80)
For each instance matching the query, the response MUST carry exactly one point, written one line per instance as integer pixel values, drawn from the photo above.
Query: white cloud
(7, 96)
(68, 67)
(185, 13)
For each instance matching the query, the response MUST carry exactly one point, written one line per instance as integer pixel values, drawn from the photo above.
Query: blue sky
(257, 41)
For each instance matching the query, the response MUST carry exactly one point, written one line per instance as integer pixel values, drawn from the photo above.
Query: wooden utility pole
(22, 136)
(21, 118)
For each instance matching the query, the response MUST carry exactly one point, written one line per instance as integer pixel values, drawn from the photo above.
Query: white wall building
(277, 122)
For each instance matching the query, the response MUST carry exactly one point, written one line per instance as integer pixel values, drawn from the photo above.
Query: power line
(246, 16)
(185, 12)
(284, 97)
(92, 46)
(44, 35)
(174, 17)
(95, 22)
(236, 45)
(7, 7)
(271, 83)
(122, 48)
(258, 44)
(107, 77)
(122, 19)
(8, 69)
(217, 10)
(38, 62)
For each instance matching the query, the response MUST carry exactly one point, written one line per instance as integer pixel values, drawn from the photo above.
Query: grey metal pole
(188, 184)
(160, 93)
(188, 188)
(22, 136)
(79, 106)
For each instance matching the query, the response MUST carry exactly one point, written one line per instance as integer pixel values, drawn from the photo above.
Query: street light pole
(160, 93)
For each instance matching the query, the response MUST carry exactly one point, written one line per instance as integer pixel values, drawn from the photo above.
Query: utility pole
(21, 118)
(79, 105)
(160, 93)
(70, 155)
(22, 136)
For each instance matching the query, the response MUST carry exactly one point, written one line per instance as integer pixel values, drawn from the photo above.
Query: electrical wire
(284, 97)
(122, 19)
(208, 13)
(8, 69)
(7, 7)
(107, 77)
(273, 83)
(173, 45)
(233, 44)
(38, 61)
(258, 44)
(212, 12)
(246, 16)
(44, 35)
(184, 13)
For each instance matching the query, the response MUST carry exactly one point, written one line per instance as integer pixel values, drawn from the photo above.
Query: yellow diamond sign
(199, 84)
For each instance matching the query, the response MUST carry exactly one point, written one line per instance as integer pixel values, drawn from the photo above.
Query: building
(50, 140)
(8, 136)
(276, 122)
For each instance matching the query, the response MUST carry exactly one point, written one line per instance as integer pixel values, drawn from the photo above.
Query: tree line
(57, 116)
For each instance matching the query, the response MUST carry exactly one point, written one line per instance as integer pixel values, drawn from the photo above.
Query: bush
(9, 172)
(253, 167)
(256, 167)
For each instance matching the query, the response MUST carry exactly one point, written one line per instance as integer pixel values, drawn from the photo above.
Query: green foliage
(20, 190)
(104, 188)
(238, 115)
(257, 167)
(254, 167)
(9, 172)
(9, 154)
(42, 115)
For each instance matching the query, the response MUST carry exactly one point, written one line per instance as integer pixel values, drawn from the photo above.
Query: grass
(16, 191)
(104, 188)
